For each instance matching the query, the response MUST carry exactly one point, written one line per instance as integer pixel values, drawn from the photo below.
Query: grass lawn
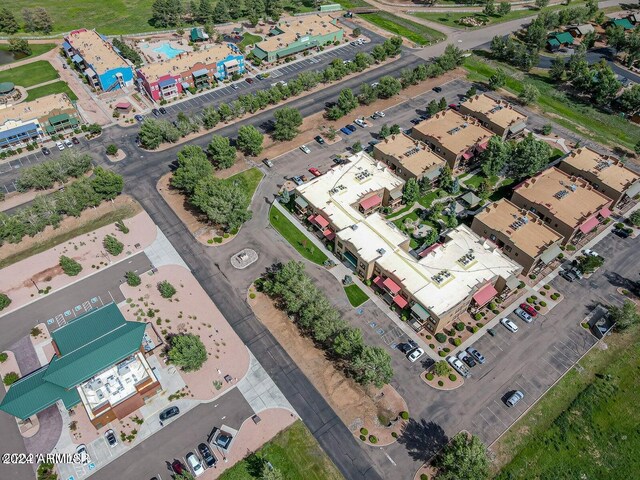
(249, 39)
(587, 425)
(36, 49)
(355, 295)
(415, 32)
(252, 176)
(581, 118)
(295, 237)
(30, 74)
(556, 153)
(428, 199)
(51, 88)
(474, 181)
(504, 190)
(294, 452)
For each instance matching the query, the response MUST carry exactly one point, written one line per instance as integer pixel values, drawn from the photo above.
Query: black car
(351, 127)
(469, 360)
(416, 121)
(621, 232)
(568, 275)
(46, 151)
(111, 438)
(155, 112)
(75, 140)
(207, 456)
(320, 140)
(169, 413)
(163, 110)
(224, 440)
(437, 89)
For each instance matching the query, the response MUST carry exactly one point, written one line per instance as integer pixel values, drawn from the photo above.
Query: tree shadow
(422, 440)
(618, 280)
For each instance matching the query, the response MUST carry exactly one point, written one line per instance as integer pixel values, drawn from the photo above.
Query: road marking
(387, 455)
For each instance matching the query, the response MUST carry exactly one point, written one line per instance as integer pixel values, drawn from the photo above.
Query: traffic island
(450, 381)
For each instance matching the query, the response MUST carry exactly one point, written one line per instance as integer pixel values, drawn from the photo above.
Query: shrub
(424, 476)
(521, 285)
(70, 266)
(441, 337)
(533, 276)
(394, 434)
(404, 415)
(543, 293)
(122, 227)
(474, 329)
(5, 301)
(3, 357)
(547, 287)
(188, 352)
(363, 438)
(112, 149)
(217, 239)
(457, 342)
(452, 377)
(585, 325)
(543, 304)
(477, 316)
(480, 324)
(35, 331)
(446, 349)
(459, 326)
(442, 353)
(492, 306)
(430, 376)
(432, 346)
(537, 307)
(440, 383)
(166, 289)
(364, 431)
(133, 279)
(534, 297)
(112, 245)
(530, 300)
(373, 439)
(428, 337)
(571, 248)
(252, 295)
(10, 378)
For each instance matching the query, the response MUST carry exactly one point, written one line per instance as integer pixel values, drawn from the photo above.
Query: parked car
(476, 354)
(319, 139)
(46, 151)
(529, 309)
(360, 122)
(75, 140)
(304, 178)
(208, 457)
(374, 84)
(416, 121)
(415, 354)
(194, 463)
(437, 89)
(509, 325)
(305, 149)
(268, 162)
(234, 86)
(458, 366)
(155, 112)
(621, 232)
(345, 130)
(249, 80)
(568, 275)
(515, 398)
(315, 172)
(379, 114)
(491, 332)
(177, 467)
(169, 413)
(587, 252)
(523, 315)
(163, 110)
(139, 118)
(81, 450)
(577, 271)
(297, 180)
(110, 436)
(68, 143)
(454, 106)
(351, 127)
(466, 358)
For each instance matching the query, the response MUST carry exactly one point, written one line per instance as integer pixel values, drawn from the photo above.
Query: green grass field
(295, 237)
(579, 117)
(36, 49)
(587, 425)
(249, 39)
(252, 176)
(413, 31)
(49, 89)
(30, 74)
(355, 295)
(294, 452)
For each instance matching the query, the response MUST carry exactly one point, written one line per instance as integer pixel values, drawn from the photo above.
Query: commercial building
(455, 137)
(297, 35)
(199, 69)
(521, 235)
(567, 204)
(29, 122)
(435, 287)
(408, 158)
(496, 115)
(101, 62)
(99, 361)
(606, 173)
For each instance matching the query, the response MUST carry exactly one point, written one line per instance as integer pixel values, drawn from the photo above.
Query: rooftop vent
(381, 251)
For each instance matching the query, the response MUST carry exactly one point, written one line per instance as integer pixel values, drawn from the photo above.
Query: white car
(81, 450)
(68, 143)
(458, 366)
(194, 464)
(415, 354)
(60, 145)
(360, 122)
(379, 114)
(509, 325)
(590, 253)
(374, 84)
(305, 149)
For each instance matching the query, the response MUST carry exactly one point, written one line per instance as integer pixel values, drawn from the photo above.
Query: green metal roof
(63, 117)
(420, 311)
(622, 22)
(32, 394)
(258, 52)
(562, 38)
(197, 34)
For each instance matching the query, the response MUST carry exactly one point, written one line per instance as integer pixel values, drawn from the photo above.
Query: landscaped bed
(295, 237)
(355, 295)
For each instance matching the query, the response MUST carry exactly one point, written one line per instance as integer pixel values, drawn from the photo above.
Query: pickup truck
(458, 366)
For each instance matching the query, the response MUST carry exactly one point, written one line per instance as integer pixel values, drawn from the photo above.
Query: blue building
(103, 66)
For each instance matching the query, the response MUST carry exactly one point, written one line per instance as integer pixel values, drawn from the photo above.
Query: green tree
(535, 35)
(372, 366)
(624, 316)
(546, 129)
(112, 245)
(636, 148)
(445, 179)
(489, 8)
(205, 12)
(287, 122)
(384, 132)
(590, 263)
(356, 147)
(557, 70)
(166, 13)
(166, 289)
(347, 100)
(616, 37)
(498, 79)
(8, 22)
(629, 100)
(274, 9)
(348, 343)
(471, 92)
(19, 45)
(388, 87)
(70, 266)
(250, 140)
(395, 129)
(410, 192)
(529, 94)
(357, 32)
(10, 378)
(541, 3)
(604, 83)
(368, 94)
(495, 157)
(221, 12)
(193, 165)
(433, 107)
(503, 9)
(442, 104)
(210, 117)
(222, 153)
(224, 202)
(133, 279)
(106, 183)
(5, 301)
(529, 157)
(37, 20)
(47, 471)
(151, 134)
(464, 457)
(188, 352)
(441, 368)
(271, 473)
(112, 149)
(589, 40)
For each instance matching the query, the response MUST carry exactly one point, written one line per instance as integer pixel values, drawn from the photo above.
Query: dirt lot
(356, 406)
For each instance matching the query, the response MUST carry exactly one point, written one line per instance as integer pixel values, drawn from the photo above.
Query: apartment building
(408, 158)
(496, 115)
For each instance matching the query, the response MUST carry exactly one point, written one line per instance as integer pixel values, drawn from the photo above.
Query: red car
(315, 172)
(529, 309)
(454, 106)
(177, 467)
(249, 80)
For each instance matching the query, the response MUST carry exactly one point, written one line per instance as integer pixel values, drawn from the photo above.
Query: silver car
(515, 398)
(523, 315)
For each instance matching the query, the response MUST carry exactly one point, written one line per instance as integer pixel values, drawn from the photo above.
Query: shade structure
(400, 301)
(486, 293)
(589, 225)
(392, 286)
(371, 202)
(605, 212)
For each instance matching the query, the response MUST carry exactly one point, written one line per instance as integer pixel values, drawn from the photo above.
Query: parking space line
(552, 365)
(563, 354)
(494, 414)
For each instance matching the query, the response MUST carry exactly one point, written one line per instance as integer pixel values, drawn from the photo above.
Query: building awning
(200, 73)
(258, 52)
(371, 202)
(19, 131)
(589, 225)
(483, 146)
(486, 293)
(66, 45)
(301, 202)
(185, 85)
(512, 282)
(396, 194)
(379, 282)
(63, 117)
(518, 127)
(50, 130)
(392, 286)
(467, 155)
(76, 58)
(328, 234)
(167, 83)
(400, 301)
(623, 22)
(633, 190)
(231, 63)
(550, 253)
(605, 212)
(123, 105)
(420, 312)
(90, 72)
(429, 249)
(320, 221)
